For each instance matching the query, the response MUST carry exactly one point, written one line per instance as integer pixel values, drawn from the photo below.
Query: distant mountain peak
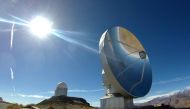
(179, 99)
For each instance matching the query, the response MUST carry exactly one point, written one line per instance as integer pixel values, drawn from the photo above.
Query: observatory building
(126, 69)
(61, 89)
(60, 100)
(4, 104)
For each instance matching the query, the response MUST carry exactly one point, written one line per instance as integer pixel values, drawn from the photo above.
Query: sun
(40, 26)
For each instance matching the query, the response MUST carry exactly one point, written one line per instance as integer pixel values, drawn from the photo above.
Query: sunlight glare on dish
(40, 26)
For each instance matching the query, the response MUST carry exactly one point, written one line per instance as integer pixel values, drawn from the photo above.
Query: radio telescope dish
(125, 63)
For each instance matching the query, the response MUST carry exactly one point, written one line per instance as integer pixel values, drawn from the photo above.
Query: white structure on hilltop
(3, 104)
(61, 101)
(61, 89)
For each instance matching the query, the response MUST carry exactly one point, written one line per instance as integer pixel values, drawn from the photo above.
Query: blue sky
(162, 26)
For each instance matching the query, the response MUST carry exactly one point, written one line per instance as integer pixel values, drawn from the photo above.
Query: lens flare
(40, 26)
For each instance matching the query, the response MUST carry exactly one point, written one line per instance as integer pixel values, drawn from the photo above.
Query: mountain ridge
(180, 99)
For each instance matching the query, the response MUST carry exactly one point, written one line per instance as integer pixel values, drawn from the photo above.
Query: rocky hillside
(179, 99)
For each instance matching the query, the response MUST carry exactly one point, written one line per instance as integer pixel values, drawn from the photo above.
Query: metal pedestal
(113, 102)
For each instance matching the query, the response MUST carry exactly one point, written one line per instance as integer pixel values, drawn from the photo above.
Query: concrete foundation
(114, 102)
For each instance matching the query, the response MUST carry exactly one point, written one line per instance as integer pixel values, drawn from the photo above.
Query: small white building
(1, 99)
(61, 101)
(3, 104)
(61, 89)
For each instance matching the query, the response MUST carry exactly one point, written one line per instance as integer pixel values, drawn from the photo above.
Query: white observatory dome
(61, 89)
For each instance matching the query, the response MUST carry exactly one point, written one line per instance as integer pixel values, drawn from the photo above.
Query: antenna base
(116, 102)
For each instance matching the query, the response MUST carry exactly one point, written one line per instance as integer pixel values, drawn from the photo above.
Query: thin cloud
(12, 34)
(159, 92)
(95, 103)
(33, 96)
(12, 78)
(50, 92)
(172, 80)
(12, 73)
(80, 91)
(84, 91)
(188, 87)
(14, 89)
